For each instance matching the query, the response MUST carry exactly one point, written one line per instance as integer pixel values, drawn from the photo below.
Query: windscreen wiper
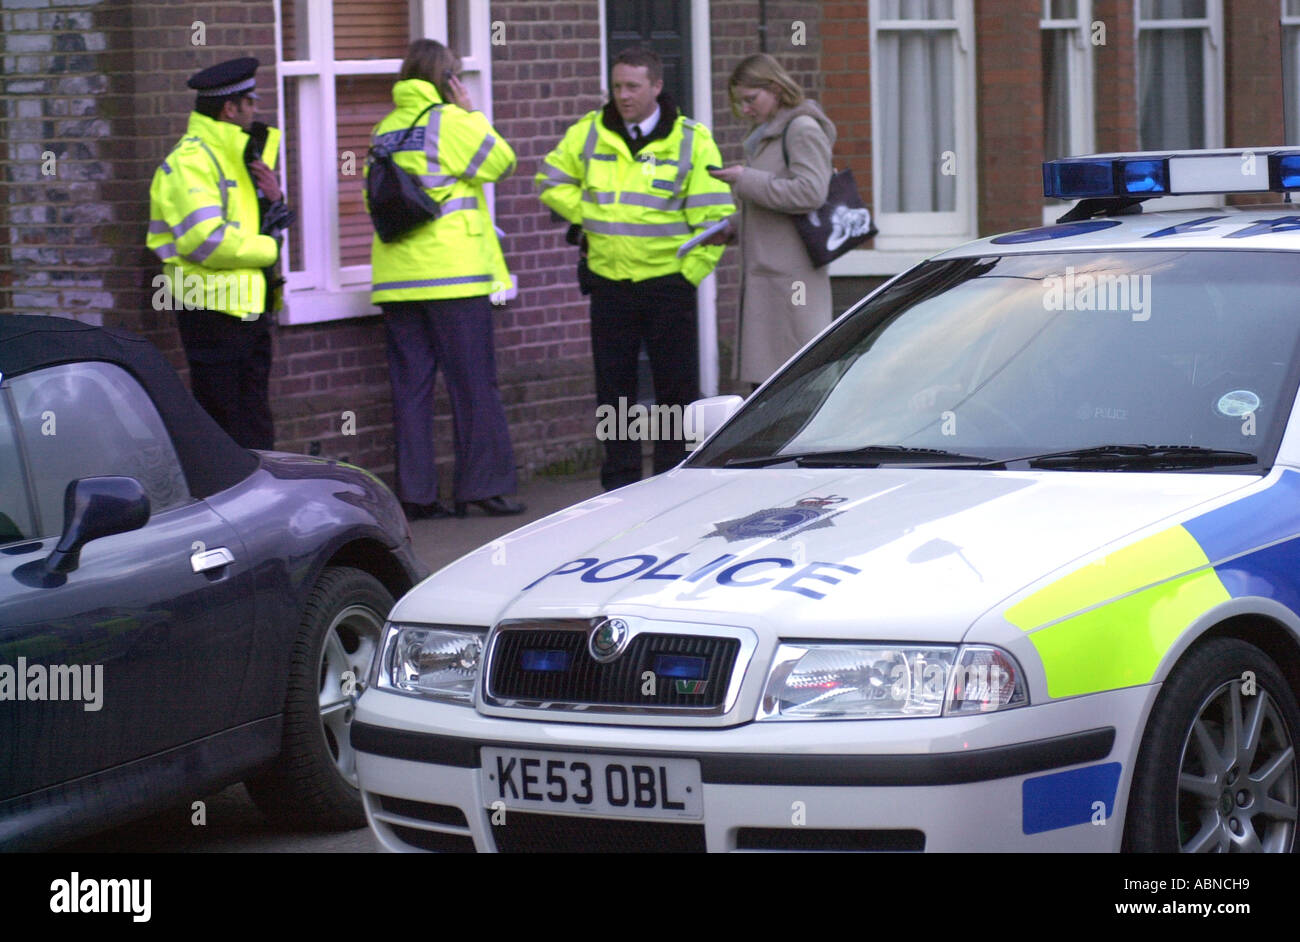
(869, 456)
(1146, 456)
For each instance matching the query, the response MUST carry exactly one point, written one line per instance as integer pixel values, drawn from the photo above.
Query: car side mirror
(705, 416)
(96, 507)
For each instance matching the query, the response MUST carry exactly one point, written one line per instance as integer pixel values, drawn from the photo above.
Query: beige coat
(785, 302)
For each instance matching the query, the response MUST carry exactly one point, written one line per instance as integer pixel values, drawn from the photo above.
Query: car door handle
(204, 560)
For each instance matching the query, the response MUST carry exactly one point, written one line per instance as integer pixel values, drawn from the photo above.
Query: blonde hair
(430, 60)
(762, 71)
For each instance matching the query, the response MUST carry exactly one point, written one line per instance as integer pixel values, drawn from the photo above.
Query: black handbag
(842, 223)
(396, 200)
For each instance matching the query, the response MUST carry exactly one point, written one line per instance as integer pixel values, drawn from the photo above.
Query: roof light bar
(1173, 173)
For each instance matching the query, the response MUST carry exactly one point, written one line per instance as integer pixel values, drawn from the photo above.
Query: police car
(1007, 559)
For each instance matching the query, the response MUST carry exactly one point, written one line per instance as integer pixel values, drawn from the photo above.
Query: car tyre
(313, 783)
(1217, 770)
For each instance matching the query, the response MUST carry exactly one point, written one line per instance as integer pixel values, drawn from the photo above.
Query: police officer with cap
(215, 217)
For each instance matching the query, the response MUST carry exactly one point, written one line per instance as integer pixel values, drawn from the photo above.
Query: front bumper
(1040, 778)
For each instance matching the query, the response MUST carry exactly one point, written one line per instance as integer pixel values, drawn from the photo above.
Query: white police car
(1007, 559)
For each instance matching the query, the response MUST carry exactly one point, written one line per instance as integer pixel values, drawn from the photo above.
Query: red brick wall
(1009, 146)
(1252, 72)
(545, 76)
(846, 74)
(1115, 77)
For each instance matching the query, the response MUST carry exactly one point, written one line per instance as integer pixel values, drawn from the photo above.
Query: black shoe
(492, 506)
(434, 511)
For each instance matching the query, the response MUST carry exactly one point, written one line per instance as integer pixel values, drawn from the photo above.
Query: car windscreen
(1018, 355)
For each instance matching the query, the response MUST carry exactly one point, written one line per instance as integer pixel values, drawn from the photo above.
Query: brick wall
(846, 74)
(60, 188)
(1008, 61)
(1253, 105)
(545, 76)
(1115, 77)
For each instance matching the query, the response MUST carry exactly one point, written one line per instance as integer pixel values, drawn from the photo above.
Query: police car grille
(545, 833)
(621, 682)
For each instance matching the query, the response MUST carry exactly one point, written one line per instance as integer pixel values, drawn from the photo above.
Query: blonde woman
(785, 301)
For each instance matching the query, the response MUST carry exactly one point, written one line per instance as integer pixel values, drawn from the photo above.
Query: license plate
(578, 782)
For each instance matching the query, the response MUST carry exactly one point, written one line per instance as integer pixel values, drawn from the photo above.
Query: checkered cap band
(245, 85)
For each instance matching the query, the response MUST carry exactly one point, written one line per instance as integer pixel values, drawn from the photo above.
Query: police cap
(232, 77)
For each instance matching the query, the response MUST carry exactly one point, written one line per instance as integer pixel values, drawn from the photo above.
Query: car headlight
(889, 681)
(442, 663)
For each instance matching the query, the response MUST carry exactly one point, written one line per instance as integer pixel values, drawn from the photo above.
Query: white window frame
(911, 233)
(1211, 27)
(324, 290)
(1291, 47)
(1082, 99)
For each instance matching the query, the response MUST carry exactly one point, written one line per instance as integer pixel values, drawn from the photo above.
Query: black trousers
(661, 313)
(456, 335)
(230, 369)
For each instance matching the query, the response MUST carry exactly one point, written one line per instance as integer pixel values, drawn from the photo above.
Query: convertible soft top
(211, 459)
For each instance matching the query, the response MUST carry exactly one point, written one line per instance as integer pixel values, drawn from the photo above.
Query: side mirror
(95, 507)
(705, 416)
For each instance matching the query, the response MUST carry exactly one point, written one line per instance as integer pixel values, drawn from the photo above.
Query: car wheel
(314, 781)
(1217, 770)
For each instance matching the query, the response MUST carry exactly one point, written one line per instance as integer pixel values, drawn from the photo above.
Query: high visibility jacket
(204, 221)
(453, 152)
(637, 211)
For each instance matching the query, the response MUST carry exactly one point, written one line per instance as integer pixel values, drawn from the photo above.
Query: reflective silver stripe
(709, 199)
(167, 251)
(465, 202)
(431, 282)
(167, 168)
(669, 203)
(637, 228)
(158, 226)
(431, 139)
(221, 177)
(194, 218)
(557, 175)
(684, 155)
(604, 156)
(601, 199)
(589, 147)
(436, 179)
(209, 244)
(480, 155)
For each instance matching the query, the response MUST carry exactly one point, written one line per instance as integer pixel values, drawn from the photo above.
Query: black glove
(277, 218)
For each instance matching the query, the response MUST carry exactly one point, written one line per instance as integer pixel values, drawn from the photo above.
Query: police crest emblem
(809, 513)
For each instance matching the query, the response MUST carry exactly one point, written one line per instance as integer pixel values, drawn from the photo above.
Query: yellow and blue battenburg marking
(1109, 624)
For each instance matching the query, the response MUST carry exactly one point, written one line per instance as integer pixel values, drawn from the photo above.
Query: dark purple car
(177, 613)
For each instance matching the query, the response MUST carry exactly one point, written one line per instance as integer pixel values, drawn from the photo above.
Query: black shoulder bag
(842, 223)
(396, 200)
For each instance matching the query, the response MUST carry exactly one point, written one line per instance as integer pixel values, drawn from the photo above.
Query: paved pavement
(439, 542)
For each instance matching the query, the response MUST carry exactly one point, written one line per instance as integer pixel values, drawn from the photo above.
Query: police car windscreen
(1022, 354)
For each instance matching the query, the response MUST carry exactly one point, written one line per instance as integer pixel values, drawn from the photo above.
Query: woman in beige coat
(785, 301)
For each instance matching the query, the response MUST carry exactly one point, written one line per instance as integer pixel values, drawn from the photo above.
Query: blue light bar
(1141, 175)
(1284, 171)
(1078, 178)
(1145, 177)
